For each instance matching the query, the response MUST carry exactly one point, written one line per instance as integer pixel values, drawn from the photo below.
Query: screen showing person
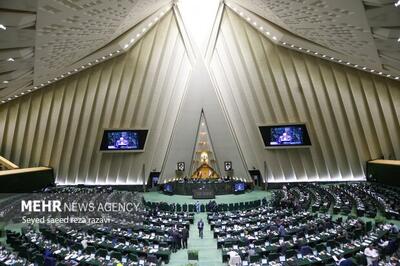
(123, 140)
(285, 135)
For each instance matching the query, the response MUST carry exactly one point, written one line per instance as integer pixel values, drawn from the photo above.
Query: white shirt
(371, 252)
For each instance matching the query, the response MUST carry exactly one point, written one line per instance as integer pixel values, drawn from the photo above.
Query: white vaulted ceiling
(49, 38)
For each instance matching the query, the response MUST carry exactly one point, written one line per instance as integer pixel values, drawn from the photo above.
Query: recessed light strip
(267, 32)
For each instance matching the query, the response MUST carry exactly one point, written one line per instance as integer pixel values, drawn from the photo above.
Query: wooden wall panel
(352, 116)
(61, 125)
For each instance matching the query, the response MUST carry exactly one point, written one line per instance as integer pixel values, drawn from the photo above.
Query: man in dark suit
(185, 236)
(200, 226)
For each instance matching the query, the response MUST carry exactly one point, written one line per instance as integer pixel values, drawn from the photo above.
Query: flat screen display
(123, 140)
(239, 187)
(285, 135)
(168, 188)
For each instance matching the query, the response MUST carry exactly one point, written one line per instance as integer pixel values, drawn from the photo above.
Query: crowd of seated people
(145, 237)
(285, 233)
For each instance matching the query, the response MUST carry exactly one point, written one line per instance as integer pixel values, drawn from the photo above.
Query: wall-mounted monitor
(285, 136)
(239, 187)
(124, 140)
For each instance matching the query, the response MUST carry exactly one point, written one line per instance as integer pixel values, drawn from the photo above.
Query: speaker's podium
(204, 192)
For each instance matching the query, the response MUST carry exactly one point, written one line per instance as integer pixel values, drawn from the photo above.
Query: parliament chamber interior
(199, 132)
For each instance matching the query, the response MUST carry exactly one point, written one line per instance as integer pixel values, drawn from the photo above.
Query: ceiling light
(398, 39)
(348, 63)
(292, 45)
(261, 28)
(248, 19)
(118, 51)
(355, 65)
(126, 46)
(274, 38)
(144, 29)
(5, 81)
(372, 70)
(308, 50)
(396, 78)
(48, 81)
(89, 64)
(31, 90)
(10, 59)
(62, 76)
(300, 48)
(284, 43)
(241, 13)
(156, 18)
(332, 58)
(75, 69)
(69, 73)
(255, 23)
(380, 73)
(162, 13)
(268, 33)
(315, 53)
(3, 101)
(340, 61)
(110, 54)
(9, 99)
(137, 35)
(2, 27)
(324, 56)
(103, 57)
(364, 68)
(22, 93)
(42, 84)
(388, 75)
(82, 66)
(15, 96)
(397, 3)
(149, 25)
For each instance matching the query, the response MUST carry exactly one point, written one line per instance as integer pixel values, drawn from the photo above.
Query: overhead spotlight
(364, 68)
(82, 66)
(284, 43)
(348, 63)
(372, 70)
(388, 75)
(126, 46)
(308, 50)
(103, 57)
(110, 54)
(68, 73)
(398, 40)
(396, 78)
(340, 61)
(397, 3)
(268, 33)
(137, 35)
(29, 90)
(300, 48)
(10, 59)
(41, 84)
(49, 81)
(3, 101)
(9, 99)
(2, 27)
(97, 60)
(316, 53)
(144, 29)
(22, 93)
(380, 73)
(150, 24)
(355, 65)
(261, 28)
(62, 76)
(248, 19)
(15, 96)
(324, 56)
(255, 23)
(274, 38)
(162, 13)
(292, 45)
(332, 58)
(55, 79)
(5, 81)
(241, 13)
(118, 51)
(156, 18)
(75, 70)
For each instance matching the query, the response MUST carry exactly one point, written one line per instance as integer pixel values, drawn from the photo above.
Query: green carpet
(209, 255)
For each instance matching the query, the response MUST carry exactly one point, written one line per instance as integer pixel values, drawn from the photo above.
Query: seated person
(345, 261)
(372, 255)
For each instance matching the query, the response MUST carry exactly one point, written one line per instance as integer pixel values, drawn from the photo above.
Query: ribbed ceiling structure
(70, 69)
